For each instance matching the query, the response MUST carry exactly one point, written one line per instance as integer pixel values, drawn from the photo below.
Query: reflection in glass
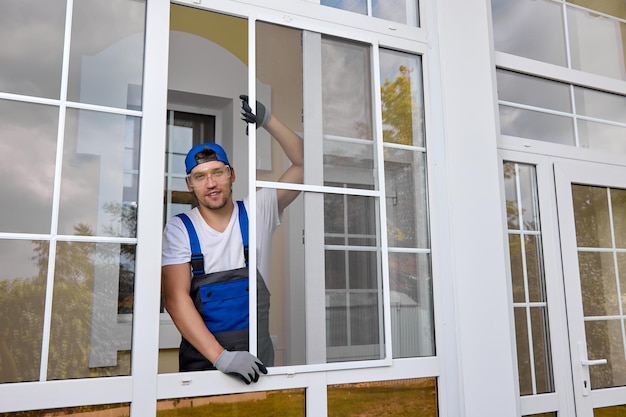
(521, 198)
(616, 410)
(601, 105)
(412, 321)
(402, 98)
(615, 8)
(602, 268)
(606, 340)
(106, 55)
(400, 11)
(357, 6)
(533, 91)
(597, 126)
(410, 397)
(596, 44)
(85, 339)
(83, 411)
(27, 164)
(99, 183)
(591, 213)
(31, 47)
(23, 270)
(602, 136)
(536, 125)
(407, 198)
(347, 112)
(528, 281)
(529, 28)
(289, 402)
(618, 209)
(353, 278)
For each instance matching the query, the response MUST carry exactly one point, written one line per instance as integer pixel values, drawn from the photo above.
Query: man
(216, 221)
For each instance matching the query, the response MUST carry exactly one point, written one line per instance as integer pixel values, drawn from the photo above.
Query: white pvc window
(530, 307)
(586, 36)
(551, 111)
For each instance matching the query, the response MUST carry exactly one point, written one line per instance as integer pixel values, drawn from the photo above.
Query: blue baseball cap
(190, 159)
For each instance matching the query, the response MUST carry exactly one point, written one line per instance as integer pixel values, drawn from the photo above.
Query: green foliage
(397, 109)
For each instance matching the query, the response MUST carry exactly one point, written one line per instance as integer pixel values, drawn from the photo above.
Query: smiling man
(204, 261)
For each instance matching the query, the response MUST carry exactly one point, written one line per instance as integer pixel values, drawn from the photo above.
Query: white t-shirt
(224, 251)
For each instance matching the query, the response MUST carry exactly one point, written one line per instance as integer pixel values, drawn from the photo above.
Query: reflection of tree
(126, 216)
(397, 108)
(76, 266)
(598, 277)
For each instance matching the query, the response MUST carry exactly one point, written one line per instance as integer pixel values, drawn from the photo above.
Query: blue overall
(222, 300)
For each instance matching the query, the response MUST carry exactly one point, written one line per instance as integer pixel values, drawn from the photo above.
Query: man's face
(211, 183)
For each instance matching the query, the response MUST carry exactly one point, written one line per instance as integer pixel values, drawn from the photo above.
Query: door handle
(586, 362)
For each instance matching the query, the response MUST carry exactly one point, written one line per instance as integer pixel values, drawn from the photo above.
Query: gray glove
(262, 115)
(242, 364)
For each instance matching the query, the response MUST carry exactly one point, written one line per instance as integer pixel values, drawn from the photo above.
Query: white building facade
(459, 241)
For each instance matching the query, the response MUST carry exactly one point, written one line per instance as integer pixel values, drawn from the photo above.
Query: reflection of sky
(542, 93)
(31, 50)
(346, 89)
(16, 259)
(529, 28)
(393, 10)
(27, 153)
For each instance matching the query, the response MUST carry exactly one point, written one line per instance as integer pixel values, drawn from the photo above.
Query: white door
(591, 203)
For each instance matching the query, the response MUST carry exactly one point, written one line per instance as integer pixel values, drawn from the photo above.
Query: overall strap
(243, 226)
(197, 259)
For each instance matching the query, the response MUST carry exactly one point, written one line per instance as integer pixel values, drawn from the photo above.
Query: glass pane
(357, 6)
(615, 8)
(410, 397)
(536, 125)
(529, 206)
(524, 366)
(402, 98)
(407, 199)
(84, 410)
(534, 268)
(541, 350)
(99, 183)
(29, 138)
(401, 11)
(106, 55)
(602, 136)
(517, 268)
(591, 212)
(280, 75)
(288, 403)
(533, 91)
(31, 47)
(605, 340)
(412, 321)
(24, 266)
(600, 105)
(618, 207)
(85, 339)
(529, 28)
(598, 284)
(353, 279)
(617, 410)
(347, 112)
(528, 279)
(597, 45)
